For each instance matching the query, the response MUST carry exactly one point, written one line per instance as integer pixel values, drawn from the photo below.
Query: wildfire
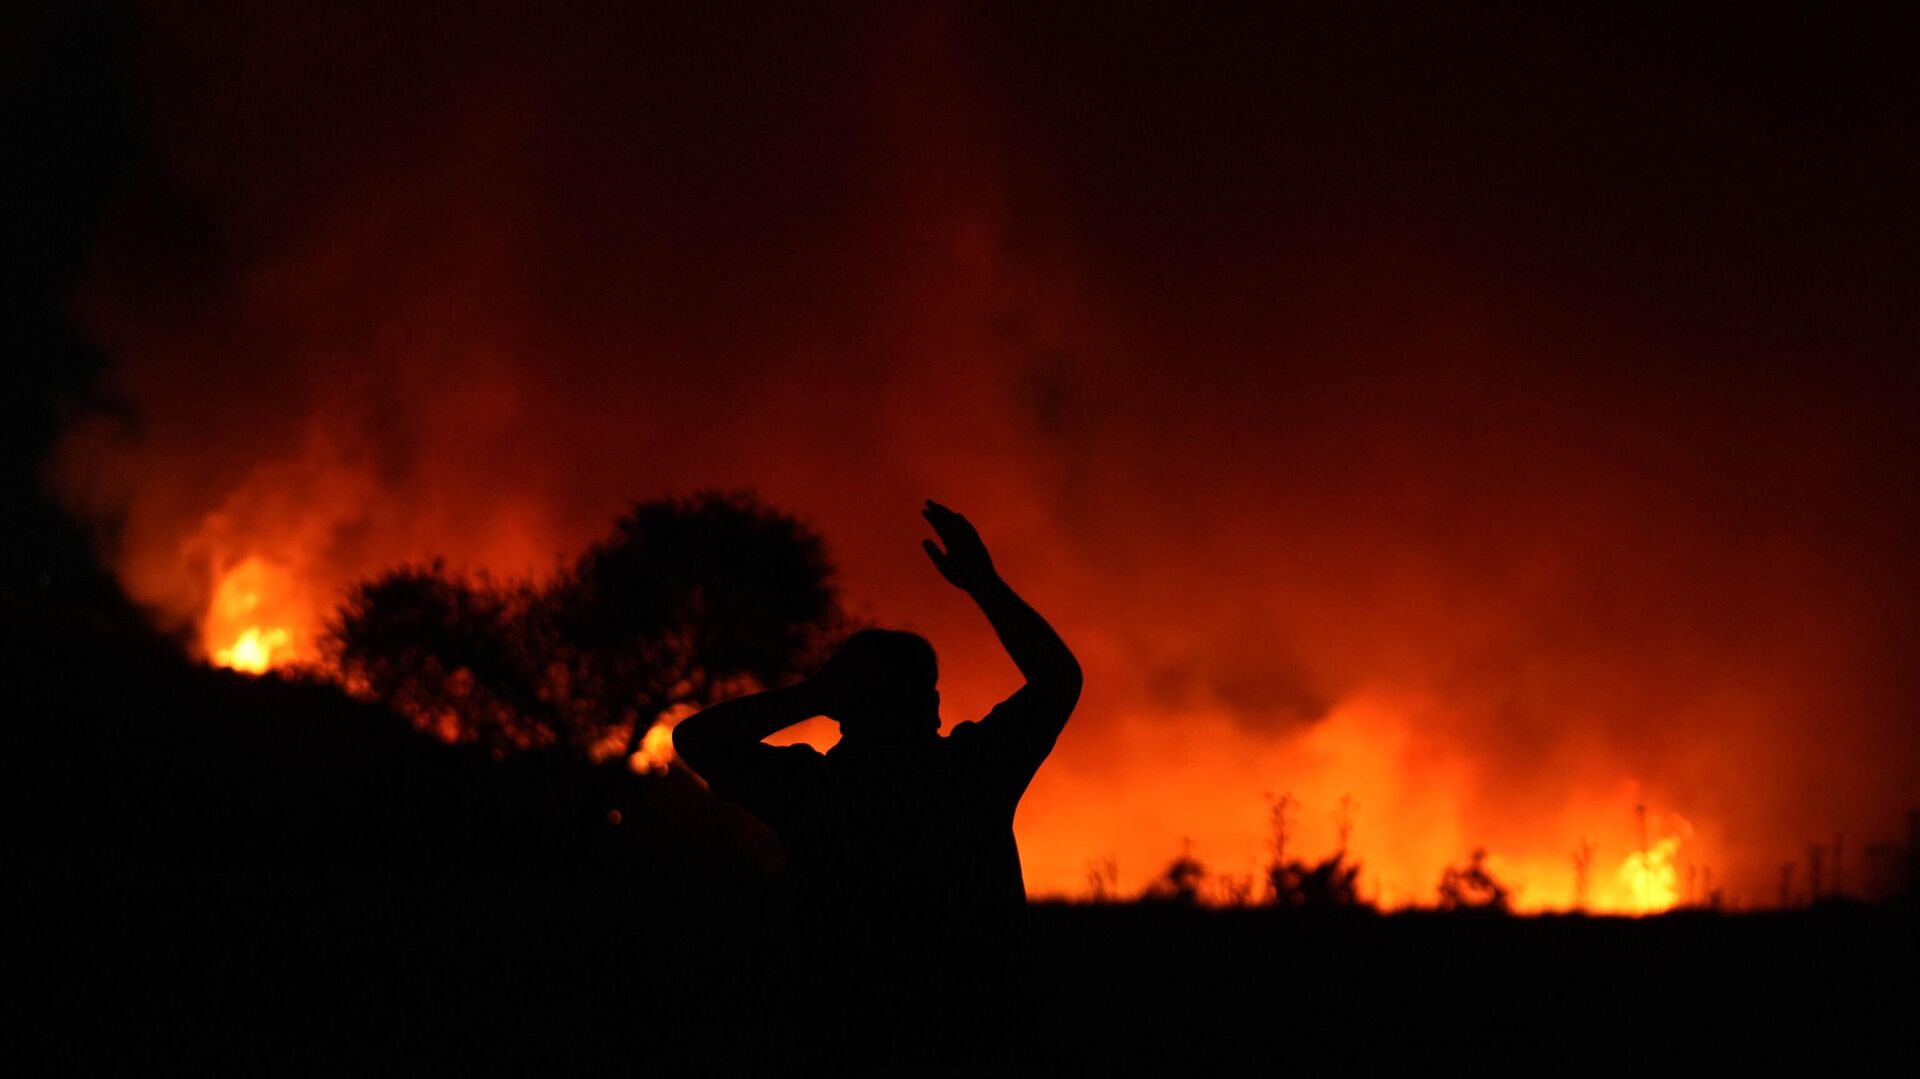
(1650, 878)
(254, 650)
(250, 622)
(263, 614)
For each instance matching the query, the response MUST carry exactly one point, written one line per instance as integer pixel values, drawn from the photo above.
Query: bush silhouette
(1472, 888)
(1180, 882)
(1294, 884)
(690, 600)
(1325, 885)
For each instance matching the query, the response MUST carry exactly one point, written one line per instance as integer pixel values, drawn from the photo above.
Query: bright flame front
(254, 651)
(1650, 879)
(251, 621)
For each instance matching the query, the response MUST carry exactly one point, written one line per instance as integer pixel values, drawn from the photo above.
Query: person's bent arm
(1043, 658)
(731, 727)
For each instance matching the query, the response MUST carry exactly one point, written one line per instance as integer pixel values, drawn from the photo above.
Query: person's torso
(922, 828)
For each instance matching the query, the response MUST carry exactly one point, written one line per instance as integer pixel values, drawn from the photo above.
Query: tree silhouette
(689, 600)
(693, 599)
(463, 657)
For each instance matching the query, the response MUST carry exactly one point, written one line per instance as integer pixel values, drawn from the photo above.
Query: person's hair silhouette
(885, 683)
(900, 841)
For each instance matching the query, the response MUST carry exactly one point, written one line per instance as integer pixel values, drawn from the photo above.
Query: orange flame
(656, 749)
(256, 619)
(253, 652)
(1650, 878)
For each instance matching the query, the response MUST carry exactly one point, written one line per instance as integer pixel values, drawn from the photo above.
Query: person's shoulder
(977, 736)
(763, 758)
(799, 753)
(969, 741)
(1026, 700)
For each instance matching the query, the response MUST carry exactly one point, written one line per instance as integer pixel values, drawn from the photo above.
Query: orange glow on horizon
(1407, 814)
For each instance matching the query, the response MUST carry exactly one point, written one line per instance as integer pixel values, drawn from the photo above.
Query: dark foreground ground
(222, 875)
(258, 979)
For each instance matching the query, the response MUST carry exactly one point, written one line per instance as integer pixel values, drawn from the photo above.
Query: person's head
(883, 686)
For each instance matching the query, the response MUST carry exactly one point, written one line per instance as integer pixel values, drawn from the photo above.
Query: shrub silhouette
(690, 600)
(1180, 882)
(1324, 885)
(1293, 884)
(1472, 888)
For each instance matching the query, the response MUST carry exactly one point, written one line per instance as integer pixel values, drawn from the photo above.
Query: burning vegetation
(694, 599)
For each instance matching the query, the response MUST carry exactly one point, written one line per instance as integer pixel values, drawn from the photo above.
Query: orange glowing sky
(1503, 445)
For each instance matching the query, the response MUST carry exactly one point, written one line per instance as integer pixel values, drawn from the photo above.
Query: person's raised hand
(964, 562)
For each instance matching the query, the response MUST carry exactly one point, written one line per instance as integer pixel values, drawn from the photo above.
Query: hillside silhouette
(242, 871)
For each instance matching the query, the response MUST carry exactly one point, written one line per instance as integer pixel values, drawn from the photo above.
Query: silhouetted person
(900, 841)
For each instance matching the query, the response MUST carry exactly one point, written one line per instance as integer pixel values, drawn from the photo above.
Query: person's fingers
(954, 530)
(947, 522)
(939, 558)
(940, 515)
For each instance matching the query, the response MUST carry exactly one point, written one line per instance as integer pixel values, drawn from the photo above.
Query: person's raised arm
(731, 727)
(1043, 658)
